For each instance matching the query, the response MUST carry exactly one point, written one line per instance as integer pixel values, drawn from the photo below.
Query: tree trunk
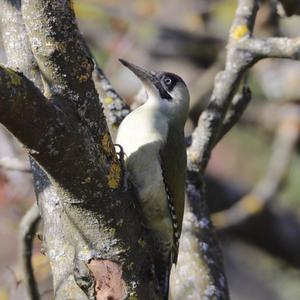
(93, 235)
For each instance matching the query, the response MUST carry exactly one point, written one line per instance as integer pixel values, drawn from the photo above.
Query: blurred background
(252, 183)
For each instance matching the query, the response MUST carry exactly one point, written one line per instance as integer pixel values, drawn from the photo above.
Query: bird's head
(165, 90)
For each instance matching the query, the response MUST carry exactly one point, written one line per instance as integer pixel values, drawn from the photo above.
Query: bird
(152, 138)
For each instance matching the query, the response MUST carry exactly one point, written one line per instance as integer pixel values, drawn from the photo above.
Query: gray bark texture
(92, 229)
(93, 233)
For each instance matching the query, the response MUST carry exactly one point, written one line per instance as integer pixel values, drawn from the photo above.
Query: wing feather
(173, 161)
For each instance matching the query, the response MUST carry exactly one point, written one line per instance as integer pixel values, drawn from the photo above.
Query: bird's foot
(121, 157)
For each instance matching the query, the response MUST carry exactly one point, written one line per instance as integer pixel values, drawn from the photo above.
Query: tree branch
(84, 209)
(20, 57)
(67, 74)
(238, 106)
(199, 253)
(65, 66)
(268, 187)
(204, 137)
(14, 164)
(27, 232)
(202, 88)
(243, 51)
(281, 227)
(24, 109)
(226, 83)
(15, 41)
(115, 107)
(272, 47)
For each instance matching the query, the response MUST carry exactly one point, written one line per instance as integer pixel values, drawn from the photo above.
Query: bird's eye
(168, 81)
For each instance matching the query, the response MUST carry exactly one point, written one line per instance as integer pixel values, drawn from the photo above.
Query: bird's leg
(121, 157)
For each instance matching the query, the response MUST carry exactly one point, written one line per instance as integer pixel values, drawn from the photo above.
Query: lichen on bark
(53, 109)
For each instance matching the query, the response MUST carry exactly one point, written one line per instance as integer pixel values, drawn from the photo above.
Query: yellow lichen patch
(15, 79)
(86, 180)
(4, 294)
(51, 47)
(106, 143)
(83, 78)
(248, 205)
(251, 204)
(85, 251)
(41, 265)
(114, 176)
(130, 266)
(219, 219)
(71, 5)
(108, 100)
(240, 31)
(142, 242)
(109, 231)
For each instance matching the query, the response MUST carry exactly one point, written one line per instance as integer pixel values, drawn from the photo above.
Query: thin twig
(16, 280)
(273, 181)
(272, 47)
(243, 51)
(202, 88)
(28, 227)
(115, 107)
(236, 110)
(14, 164)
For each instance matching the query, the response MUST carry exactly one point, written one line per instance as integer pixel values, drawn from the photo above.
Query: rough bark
(243, 50)
(199, 273)
(226, 84)
(88, 218)
(28, 227)
(92, 228)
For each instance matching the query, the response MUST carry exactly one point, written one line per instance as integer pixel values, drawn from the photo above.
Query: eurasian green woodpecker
(152, 138)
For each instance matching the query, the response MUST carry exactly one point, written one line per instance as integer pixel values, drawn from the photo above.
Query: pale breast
(142, 135)
(142, 126)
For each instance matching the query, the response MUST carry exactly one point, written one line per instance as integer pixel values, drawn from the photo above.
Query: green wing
(173, 161)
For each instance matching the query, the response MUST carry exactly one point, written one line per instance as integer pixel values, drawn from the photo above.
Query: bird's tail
(163, 271)
(164, 284)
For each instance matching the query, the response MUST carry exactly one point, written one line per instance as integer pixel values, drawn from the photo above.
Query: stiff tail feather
(163, 273)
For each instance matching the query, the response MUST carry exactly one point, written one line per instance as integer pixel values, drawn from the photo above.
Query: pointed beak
(149, 79)
(142, 74)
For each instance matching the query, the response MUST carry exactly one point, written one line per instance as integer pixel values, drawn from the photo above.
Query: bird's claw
(121, 157)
